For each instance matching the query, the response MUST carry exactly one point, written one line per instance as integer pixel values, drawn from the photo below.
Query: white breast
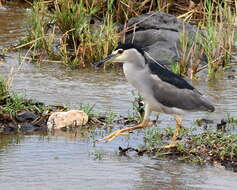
(132, 74)
(140, 80)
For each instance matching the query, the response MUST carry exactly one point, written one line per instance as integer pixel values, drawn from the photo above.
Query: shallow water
(63, 161)
(37, 162)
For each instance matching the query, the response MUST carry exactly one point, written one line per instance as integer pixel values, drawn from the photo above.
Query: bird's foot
(113, 135)
(123, 132)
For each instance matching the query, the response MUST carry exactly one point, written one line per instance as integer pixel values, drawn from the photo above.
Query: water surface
(67, 162)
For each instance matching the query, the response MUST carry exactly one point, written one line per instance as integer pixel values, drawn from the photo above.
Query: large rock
(72, 118)
(159, 34)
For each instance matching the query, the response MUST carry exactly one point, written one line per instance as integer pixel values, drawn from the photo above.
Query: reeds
(81, 32)
(219, 31)
(214, 40)
(67, 28)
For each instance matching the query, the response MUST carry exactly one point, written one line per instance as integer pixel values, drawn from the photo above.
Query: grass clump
(153, 137)
(211, 147)
(214, 40)
(12, 104)
(65, 32)
(219, 35)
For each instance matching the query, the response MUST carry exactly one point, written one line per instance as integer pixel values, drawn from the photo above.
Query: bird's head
(128, 53)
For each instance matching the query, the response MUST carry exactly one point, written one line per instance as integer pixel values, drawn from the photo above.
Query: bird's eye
(120, 51)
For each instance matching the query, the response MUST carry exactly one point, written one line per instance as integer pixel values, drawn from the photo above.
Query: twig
(26, 44)
(203, 67)
(31, 59)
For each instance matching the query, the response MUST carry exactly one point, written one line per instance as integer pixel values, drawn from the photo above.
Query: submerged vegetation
(77, 33)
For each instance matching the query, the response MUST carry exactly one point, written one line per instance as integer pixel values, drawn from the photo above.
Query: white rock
(72, 118)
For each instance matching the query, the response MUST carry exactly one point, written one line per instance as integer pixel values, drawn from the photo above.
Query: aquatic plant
(215, 40)
(153, 137)
(98, 155)
(4, 93)
(13, 105)
(67, 25)
(87, 108)
(190, 55)
(220, 145)
(219, 35)
(110, 117)
(77, 33)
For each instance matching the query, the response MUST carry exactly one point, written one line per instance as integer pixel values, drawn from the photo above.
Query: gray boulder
(159, 33)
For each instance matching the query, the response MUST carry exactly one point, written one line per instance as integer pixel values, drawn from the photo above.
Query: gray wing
(186, 99)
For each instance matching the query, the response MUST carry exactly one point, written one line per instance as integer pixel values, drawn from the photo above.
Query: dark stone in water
(231, 77)
(29, 128)
(11, 127)
(26, 116)
(38, 103)
(222, 125)
(8, 130)
(230, 165)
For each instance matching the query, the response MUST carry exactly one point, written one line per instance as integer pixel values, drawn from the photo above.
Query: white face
(119, 55)
(128, 56)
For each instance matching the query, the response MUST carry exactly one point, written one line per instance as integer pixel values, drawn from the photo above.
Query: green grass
(219, 35)
(98, 155)
(4, 93)
(12, 103)
(223, 145)
(87, 108)
(69, 28)
(153, 137)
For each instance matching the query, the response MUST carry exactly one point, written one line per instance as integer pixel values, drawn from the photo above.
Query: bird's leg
(173, 141)
(178, 127)
(124, 132)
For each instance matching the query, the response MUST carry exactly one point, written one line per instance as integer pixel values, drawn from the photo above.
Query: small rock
(231, 77)
(218, 165)
(28, 128)
(222, 125)
(26, 116)
(8, 130)
(72, 118)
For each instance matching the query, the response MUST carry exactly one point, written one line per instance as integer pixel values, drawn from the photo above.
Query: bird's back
(173, 91)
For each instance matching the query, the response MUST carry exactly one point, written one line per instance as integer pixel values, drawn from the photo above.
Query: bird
(162, 90)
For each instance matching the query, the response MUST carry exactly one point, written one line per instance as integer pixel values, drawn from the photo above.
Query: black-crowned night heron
(162, 90)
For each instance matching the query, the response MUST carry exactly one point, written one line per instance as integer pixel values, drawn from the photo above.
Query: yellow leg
(173, 141)
(123, 132)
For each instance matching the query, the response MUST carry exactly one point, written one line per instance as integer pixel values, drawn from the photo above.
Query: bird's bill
(99, 63)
